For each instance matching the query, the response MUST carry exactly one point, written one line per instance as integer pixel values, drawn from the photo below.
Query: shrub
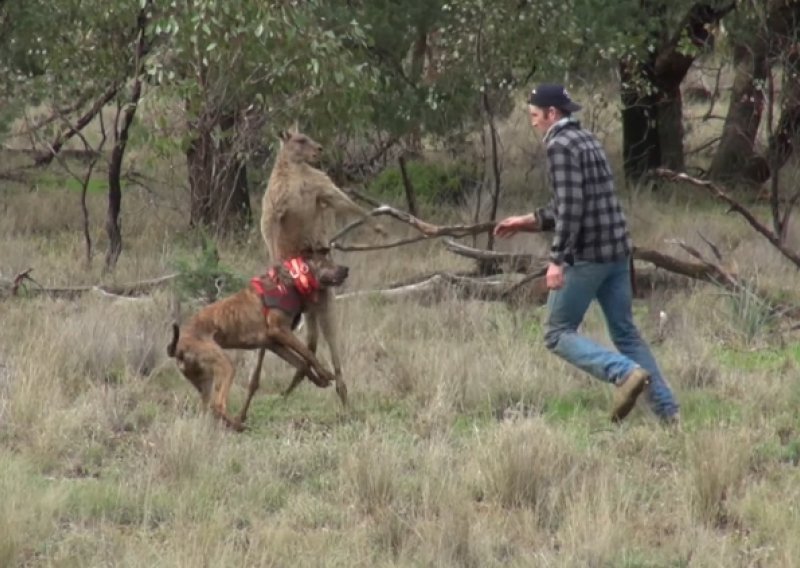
(433, 183)
(203, 277)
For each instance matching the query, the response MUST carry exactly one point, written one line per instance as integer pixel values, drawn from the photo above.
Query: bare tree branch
(774, 239)
(491, 261)
(55, 146)
(714, 270)
(427, 230)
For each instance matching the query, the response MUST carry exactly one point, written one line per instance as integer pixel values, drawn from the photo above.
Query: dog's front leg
(223, 371)
(289, 340)
(255, 380)
(302, 366)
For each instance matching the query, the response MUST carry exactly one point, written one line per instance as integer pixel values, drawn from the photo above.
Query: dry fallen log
(17, 287)
(443, 285)
(490, 261)
(515, 289)
(521, 262)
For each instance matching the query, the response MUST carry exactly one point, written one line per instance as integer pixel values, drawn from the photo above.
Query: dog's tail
(172, 347)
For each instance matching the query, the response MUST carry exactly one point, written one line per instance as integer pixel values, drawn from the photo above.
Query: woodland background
(137, 137)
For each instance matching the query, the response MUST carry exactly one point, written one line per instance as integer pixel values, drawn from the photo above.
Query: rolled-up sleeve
(546, 216)
(568, 201)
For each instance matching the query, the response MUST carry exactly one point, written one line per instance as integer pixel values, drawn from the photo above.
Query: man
(590, 258)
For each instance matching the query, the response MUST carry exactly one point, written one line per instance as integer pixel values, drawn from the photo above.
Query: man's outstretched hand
(510, 226)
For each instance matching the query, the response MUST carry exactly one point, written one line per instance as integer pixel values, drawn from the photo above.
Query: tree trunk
(736, 159)
(670, 129)
(217, 178)
(652, 109)
(787, 132)
(120, 143)
(641, 144)
(114, 179)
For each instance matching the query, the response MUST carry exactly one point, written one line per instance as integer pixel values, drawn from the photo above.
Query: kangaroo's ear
(285, 135)
(296, 127)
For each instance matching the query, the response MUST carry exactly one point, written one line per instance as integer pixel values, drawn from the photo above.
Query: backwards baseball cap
(551, 95)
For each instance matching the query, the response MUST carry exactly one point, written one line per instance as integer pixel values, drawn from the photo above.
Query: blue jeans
(610, 283)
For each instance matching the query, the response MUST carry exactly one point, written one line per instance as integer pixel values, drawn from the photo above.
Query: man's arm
(510, 226)
(567, 179)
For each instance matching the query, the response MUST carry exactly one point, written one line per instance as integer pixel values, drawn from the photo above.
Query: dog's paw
(323, 382)
(237, 425)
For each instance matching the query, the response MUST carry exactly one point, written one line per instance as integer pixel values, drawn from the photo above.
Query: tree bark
(641, 144)
(411, 197)
(121, 142)
(736, 159)
(787, 132)
(669, 113)
(217, 178)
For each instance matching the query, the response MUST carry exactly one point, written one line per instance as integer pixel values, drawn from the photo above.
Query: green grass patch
(777, 452)
(576, 404)
(702, 408)
(465, 425)
(759, 360)
(95, 501)
(318, 411)
(52, 182)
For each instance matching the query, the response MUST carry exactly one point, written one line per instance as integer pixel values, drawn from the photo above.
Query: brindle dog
(260, 316)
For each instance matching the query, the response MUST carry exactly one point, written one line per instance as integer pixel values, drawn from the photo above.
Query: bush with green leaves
(433, 183)
(203, 277)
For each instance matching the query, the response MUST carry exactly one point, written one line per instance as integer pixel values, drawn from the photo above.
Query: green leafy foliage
(204, 277)
(274, 59)
(433, 183)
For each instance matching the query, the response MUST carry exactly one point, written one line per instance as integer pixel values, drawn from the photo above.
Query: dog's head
(297, 147)
(330, 275)
(309, 274)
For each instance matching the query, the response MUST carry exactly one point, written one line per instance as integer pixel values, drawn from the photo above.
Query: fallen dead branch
(716, 190)
(440, 285)
(514, 289)
(704, 271)
(16, 286)
(490, 261)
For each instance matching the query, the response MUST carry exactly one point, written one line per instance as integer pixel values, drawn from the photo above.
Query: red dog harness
(275, 295)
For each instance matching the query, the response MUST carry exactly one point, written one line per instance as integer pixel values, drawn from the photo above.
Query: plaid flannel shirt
(584, 212)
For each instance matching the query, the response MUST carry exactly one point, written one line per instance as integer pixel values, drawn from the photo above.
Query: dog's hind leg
(327, 324)
(312, 336)
(255, 380)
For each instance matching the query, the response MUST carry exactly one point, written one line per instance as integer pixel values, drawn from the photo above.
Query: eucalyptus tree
(653, 44)
(244, 70)
(763, 38)
(76, 56)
